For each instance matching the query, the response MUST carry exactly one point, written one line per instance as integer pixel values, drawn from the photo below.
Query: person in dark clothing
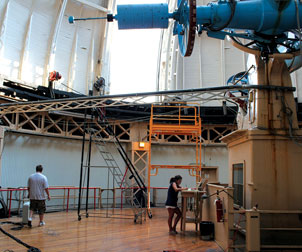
(171, 202)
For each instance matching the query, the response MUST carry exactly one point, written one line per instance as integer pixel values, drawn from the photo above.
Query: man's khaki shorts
(38, 205)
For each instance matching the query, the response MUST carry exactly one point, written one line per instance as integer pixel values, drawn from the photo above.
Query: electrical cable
(30, 248)
(245, 74)
(219, 191)
(236, 82)
(18, 224)
(289, 114)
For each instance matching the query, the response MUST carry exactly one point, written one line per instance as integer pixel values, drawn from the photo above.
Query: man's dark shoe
(29, 223)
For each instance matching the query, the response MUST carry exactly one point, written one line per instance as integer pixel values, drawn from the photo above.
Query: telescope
(268, 26)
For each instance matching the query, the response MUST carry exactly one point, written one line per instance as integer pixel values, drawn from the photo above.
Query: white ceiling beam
(3, 22)
(104, 52)
(90, 67)
(72, 62)
(26, 41)
(73, 57)
(93, 5)
(52, 43)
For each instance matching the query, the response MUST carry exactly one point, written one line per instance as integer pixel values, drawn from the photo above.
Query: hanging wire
(288, 112)
(289, 115)
(72, 89)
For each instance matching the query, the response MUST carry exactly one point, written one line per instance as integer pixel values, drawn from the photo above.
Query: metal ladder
(135, 195)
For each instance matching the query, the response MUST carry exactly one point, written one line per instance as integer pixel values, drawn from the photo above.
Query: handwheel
(185, 27)
(286, 43)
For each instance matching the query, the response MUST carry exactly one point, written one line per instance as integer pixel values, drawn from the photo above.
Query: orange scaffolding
(179, 122)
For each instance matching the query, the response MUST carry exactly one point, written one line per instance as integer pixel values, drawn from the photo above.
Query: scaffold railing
(185, 120)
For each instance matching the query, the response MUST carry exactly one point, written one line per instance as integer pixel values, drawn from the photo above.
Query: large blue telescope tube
(143, 16)
(271, 17)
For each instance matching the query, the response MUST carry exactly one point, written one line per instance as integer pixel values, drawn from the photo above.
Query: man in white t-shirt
(37, 186)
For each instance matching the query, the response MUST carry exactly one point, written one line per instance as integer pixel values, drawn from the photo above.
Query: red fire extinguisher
(219, 210)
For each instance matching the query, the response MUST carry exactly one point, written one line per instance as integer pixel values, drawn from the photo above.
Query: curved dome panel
(36, 38)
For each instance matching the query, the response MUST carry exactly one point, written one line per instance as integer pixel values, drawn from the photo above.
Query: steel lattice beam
(200, 96)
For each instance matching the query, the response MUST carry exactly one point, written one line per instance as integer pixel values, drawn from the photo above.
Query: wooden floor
(63, 232)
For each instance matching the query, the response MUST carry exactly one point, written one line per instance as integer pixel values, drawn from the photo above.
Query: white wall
(185, 155)
(61, 160)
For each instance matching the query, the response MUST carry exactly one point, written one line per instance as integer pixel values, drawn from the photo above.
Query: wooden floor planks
(64, 233)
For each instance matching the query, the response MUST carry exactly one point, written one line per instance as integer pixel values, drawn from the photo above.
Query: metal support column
(82, 163)
(88, 175)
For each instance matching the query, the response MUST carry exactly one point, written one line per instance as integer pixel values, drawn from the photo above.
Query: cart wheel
(79, 218)
(150, 215)
(135, 218)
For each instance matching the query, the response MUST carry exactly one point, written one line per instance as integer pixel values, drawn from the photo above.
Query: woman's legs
(170, 218)
(178, 216)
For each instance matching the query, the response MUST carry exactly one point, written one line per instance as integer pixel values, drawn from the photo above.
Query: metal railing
(65, 196)
(69, 195)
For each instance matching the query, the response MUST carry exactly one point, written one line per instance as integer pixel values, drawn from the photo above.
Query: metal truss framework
(48, 124)
(139, 158)
(202, 96)
(39, 117)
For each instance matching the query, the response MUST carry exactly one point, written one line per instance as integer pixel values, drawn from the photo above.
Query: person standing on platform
(171, 203)
(37, 186)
